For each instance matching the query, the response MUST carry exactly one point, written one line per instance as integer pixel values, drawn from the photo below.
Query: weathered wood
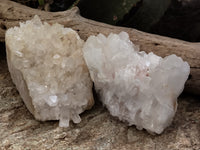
(12, 13)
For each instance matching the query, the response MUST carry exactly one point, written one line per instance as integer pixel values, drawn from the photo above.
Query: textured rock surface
(98, 130)
(138, 88)
(46, 64)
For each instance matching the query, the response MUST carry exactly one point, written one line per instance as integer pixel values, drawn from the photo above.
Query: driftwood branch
(12, 13)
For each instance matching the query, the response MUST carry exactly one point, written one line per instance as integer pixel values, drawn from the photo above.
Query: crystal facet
(47, 66)
(138, 88)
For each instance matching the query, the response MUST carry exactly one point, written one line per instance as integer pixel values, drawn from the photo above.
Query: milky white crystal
(47, 66)
(138, 88)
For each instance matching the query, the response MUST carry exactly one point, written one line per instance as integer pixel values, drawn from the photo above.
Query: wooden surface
(12, 13)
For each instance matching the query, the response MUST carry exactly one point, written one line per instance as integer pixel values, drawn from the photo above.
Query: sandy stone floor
(97, 131)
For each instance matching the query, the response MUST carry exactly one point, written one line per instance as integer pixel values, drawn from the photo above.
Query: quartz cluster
(138, 88)
(47, 66)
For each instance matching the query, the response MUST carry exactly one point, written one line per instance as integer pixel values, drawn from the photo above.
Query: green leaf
(148, 14)
(41, 2)
(108, 11)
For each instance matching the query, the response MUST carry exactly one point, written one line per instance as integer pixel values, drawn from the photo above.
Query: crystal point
(138, 88)
(47, 66)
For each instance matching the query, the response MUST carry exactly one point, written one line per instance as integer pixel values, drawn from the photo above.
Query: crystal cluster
(47, 66)
(138, 88)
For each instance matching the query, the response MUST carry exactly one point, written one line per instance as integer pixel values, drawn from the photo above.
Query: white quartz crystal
(138, 88)
(47, 66)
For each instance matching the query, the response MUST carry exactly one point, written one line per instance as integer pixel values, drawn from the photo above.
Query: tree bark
(12, 13)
